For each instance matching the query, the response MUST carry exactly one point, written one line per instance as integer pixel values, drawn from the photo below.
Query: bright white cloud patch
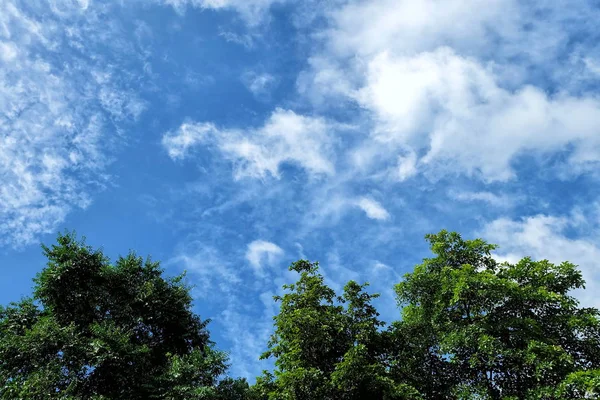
(407, 166)
(367, 27)
(258, 153)
(53, 117)
(454, 107)
(372, 208)
(434, 88)
(545, 237)
(261, 253)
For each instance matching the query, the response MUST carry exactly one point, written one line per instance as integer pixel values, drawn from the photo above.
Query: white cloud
(545, 237)
(407, 166)
(367, 28)
(450, 95)
(453, 107)
(246, 40)
(258, 153)
(187, 136)
(8, 51)
(372, 208)
(485, 197)
(212, 270)
(592, 65)
(253, 11)
(261, 253)
(53, 119)
(259, 84)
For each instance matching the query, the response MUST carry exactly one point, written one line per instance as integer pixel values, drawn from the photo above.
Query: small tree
(327, 346)
(99, 331)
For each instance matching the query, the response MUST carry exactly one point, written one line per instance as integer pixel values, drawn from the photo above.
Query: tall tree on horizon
(502, 330)
(101, 331)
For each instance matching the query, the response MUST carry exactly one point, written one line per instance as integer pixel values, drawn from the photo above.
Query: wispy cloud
(252, 11)
(178, 143)
(209, 269)
(260, 84)
(372, 208)
(55, 117)
(261, 253)
(259, 153)
(483, 196)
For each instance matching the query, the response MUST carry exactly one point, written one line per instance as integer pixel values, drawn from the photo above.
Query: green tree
(501, 330)
(99, 331)
(327, 346)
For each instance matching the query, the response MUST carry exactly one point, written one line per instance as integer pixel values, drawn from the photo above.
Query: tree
(501, 330)
(99, 331)
(471, 328)
(327, 346)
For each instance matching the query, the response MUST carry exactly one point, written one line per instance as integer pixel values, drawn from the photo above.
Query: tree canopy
(101, 331)
(471, 327)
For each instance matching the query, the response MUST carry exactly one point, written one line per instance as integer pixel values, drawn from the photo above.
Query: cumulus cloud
(454, 107)
(435, 90)
(546, 237)
(259, 153)
(367, 28)
(372, 208)
(261, 253)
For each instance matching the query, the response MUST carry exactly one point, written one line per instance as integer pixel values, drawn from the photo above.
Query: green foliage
(96, 330)
(504, 330)
(326, 346)
(471, 328)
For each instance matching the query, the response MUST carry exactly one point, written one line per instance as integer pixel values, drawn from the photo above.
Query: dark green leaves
(98, 330)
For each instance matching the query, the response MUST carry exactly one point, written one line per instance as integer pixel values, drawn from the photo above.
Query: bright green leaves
(507, 330)
(326, 346)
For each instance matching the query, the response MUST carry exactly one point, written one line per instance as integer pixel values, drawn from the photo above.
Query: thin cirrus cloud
(55, 117)
(252, 11)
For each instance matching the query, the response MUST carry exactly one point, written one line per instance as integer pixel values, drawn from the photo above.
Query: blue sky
(229, 138)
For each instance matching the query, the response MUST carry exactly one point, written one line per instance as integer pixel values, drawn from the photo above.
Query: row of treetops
(471, 328)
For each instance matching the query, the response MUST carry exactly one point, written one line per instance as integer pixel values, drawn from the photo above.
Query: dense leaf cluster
(100, 331)
(471, 328)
